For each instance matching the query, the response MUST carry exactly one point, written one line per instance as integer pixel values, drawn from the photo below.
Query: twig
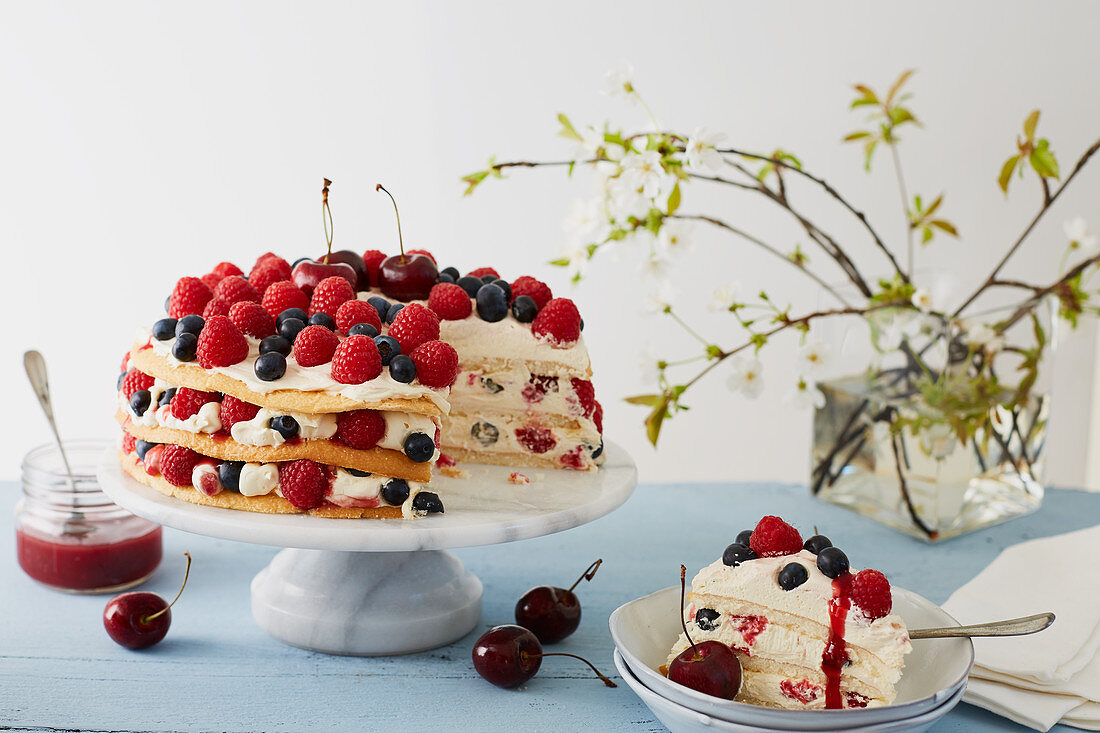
(903, 485)
(904, 205)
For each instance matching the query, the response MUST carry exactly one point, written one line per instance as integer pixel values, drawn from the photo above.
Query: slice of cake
(809, 632)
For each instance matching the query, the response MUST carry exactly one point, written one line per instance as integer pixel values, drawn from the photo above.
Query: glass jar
(69, 535)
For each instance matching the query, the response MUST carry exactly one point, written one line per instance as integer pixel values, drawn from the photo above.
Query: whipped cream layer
(515, 390)
(497, 433)
(307, 379)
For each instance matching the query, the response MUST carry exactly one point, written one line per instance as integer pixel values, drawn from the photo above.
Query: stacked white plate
(932, 682)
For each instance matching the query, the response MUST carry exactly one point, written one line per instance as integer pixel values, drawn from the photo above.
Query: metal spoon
(1011, 627)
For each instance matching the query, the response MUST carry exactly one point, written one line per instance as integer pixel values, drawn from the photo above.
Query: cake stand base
(366, 603)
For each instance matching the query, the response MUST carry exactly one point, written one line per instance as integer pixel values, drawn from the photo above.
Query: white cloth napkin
(1052, 676)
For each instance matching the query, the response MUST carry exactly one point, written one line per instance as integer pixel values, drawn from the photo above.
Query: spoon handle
(35, 366)
(1010, 627)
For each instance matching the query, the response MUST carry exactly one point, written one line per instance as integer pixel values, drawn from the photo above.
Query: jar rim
(36, 459)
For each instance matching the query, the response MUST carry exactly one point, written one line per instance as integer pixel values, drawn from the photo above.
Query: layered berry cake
(278, 394)
(810, 632)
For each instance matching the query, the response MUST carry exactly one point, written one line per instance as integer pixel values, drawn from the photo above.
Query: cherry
(307, 273)
(353, 260)
(510, 655)
(406, 277)
(710, 667)
(140, 619)
(552, 613)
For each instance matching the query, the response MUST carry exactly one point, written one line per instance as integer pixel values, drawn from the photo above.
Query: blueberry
(290, 328)
(189, 324)
(381, 305)
(792, 575)
(492, 303)
(166, 304)
(452, 271)
(121, 379)
(166, 396)
(140, 401)
(270, 366)
(736, 554)
(744, 536)
(393, 311)
(598, 452)
(427, 501)
(505, 286)
(284, 425)
(357, 473)
(402, 368)
(185, 346)
(707, 619)
(485, 433)
(363, 329)
(164, 329)
(141, 447)
(322, 319)
(491, 387)
(419, 447)
(278, 344)
(832, 562)
(470, 284)
(229, 474)
(446, 277)
(486, 279)
(817, 543)
(395, 492)
(298, 313)
(524, 309)
(582, 324)
(388, 347)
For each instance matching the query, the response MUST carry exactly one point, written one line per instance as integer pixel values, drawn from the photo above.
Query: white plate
(645, 629)
(680, 719)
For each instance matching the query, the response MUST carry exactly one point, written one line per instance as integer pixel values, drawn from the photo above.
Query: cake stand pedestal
(371, 587)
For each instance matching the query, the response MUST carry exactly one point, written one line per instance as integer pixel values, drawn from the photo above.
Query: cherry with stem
(553, 613)
(139, 619)
(405, 277)
(709, 667)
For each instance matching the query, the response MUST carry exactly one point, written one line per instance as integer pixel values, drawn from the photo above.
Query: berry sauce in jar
(69, 535)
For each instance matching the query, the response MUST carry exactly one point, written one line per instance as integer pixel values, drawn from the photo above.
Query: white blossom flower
(979, 334)
(805, 395)
(625, 200)
(1077, 230)
(643, 171)
(587, 221)
(896, 327)
(700, 150)
(747, 377)
(649, 366)
(725, 296)
(922, 299)
(938, 440)
(654, 265)
(813, 357)
(578, 260)
(589, 145)
(661, 297)
(619, 81)
(673, 239)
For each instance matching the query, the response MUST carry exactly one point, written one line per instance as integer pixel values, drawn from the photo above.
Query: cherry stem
(683, 600)
(587, 574)
(400, 240)
(326, 218)
(605, 680)
(164, 610)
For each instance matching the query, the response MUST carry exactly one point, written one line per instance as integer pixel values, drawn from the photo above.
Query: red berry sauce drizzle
(836, 653)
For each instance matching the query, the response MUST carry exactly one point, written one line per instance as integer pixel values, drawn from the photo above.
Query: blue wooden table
(218, 671)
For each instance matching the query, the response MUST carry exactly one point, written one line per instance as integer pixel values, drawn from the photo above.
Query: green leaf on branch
(567, 130)
(656, 417)
(859, 135)
(648, 400)
(1042, 160)
(945, 226)
(1030, 123)
(674, 199)
(559, 262)
(1006, 173)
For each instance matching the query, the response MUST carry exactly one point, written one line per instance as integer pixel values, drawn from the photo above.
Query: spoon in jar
(1010, 627)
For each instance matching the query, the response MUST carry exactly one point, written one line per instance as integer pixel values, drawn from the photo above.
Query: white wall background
(142, 141)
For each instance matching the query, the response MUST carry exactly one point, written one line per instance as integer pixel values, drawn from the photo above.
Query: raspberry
(211, 280)
(330, 294)
(135, 380)
(871, 592)
(177, 463)
(483, 271)
(353, 312)
(361, 429)
(356, 360)
(303, 483)
(234, 289)
(535, 439)
(372, 258)
(274, 261)
(424, 252)
(450, 302)
(597, 417)
(225, 269)
(187, 402)
(282, 295)
(189, 297)
(586, 395)
(773, 537)
(128, 443)
(125, 361)
(252, 319)
(265, 274)
(436, 363)
(315, 345)
(558, 323)
(234, 411)
(265, 256)
(216, 307)
(535, 289)
(221, 344)
(413, 325)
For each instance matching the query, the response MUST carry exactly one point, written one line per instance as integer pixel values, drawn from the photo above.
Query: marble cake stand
(378, 587)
